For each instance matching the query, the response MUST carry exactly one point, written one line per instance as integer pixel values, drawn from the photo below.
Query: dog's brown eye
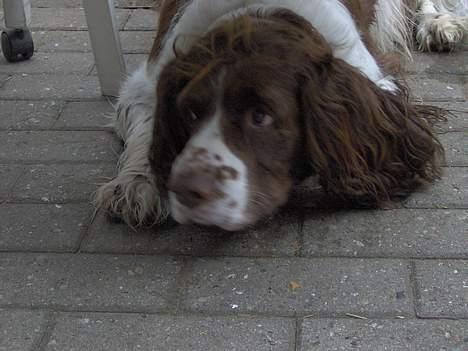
(261, 119)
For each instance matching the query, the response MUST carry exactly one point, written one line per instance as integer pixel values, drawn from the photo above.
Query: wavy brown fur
(362, 141)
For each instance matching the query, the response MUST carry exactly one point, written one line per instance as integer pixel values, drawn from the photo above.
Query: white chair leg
(105, 41)
(17, 13)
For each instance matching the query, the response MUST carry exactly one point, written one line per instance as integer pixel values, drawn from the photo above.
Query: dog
(240, 100)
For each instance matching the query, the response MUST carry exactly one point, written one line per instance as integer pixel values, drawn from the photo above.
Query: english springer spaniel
(241, 99)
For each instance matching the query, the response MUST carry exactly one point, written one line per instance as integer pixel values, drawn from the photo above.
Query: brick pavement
(314, 278)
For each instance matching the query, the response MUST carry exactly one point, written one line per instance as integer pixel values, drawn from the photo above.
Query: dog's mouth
(211, 215)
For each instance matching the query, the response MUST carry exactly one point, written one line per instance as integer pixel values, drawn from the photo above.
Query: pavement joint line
(85, 230)
(415, 294)
(198, 314)
(220, 257)
(297, 340)
(209, 313)
(47, 332)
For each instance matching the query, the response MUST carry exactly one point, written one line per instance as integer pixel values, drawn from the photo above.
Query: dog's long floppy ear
(171, 128)
(364, 142)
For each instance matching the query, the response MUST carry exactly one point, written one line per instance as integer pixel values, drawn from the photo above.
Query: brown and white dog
(241, 99)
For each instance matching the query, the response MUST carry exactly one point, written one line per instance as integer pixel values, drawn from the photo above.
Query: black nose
(194, 188)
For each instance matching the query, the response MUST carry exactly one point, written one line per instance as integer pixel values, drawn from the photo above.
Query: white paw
(387, 83)
(440, 32)
(134, 199)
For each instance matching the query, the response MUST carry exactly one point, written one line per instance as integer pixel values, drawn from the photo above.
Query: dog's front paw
(134, 199)
(440, 32)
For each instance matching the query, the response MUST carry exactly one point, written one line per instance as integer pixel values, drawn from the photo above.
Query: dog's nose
(194, 188)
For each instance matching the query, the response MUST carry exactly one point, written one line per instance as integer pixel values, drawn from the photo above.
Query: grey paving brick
(86, 115)
(61, 182)
(4, 78)
(48, 86)
(442, 288)
(28, 114)
(137, 42)
(9, 174)
(451, 191)
(20, 330)
(61, 41)
(67, 19)
(383, 335)
(57, 63)
(132, 62)
(279, 237)
(395, 233)
(300, 286)
(437, 87)
(56, 3)
(442, 63)
(142, 20)
(114, 332)
(28, 227)
(457, 120)
(53, 146)
(456, 148)
(74, 282)
(136, 3)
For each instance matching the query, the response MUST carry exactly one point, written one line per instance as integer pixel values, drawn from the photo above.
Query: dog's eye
(260, 119)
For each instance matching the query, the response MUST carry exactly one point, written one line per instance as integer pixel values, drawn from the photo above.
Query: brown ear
(363, 141)
(170, 132)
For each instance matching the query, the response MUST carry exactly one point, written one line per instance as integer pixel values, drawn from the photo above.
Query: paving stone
(279, 237)
(74, 282)
(4, 78)
(57, 63)
(395, 233)
(48, 86)
(61, 41)
(456, 148)
(299, 286)
(437, 87)
(137, 42)
(9, 174)
(28, 114)
(61, 182)
(53, 146)
(67, 19)
(450, 192)
(457, 120)
(383, 335)
(442, 288)
(114, 332)
(20, 330)
(142, 20)
(132, 62)
(56, 3)
(136, 3)
(45, 228)
(441, 63)
(86, 115)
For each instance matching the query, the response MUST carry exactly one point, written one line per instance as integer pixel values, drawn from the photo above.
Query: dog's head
(259, 104)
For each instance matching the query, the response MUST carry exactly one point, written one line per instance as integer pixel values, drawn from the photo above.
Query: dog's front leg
(133, 194)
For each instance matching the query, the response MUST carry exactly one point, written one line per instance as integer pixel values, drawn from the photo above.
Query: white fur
(218, 212)
(133, 194)
(441, 24)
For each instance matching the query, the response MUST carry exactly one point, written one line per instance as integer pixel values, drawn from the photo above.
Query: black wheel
(17, 45)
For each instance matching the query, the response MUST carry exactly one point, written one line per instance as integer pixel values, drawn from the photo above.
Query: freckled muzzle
(207, 184)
